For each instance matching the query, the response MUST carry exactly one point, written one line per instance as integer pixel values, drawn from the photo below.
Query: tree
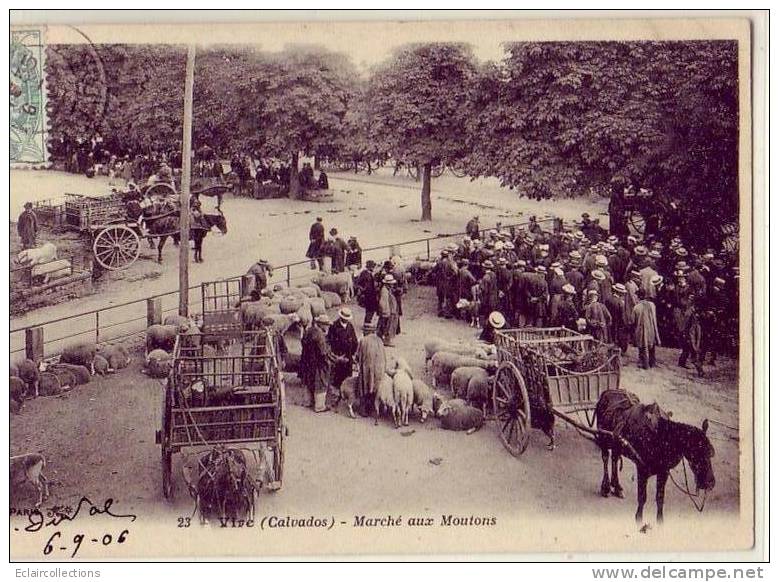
(305, 94)
(557, 119)
(417, 104)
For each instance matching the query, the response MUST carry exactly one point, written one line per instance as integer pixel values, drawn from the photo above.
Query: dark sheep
(81, 355)
(81, 373)
(27, 370)
(465, 418)
(162, 337)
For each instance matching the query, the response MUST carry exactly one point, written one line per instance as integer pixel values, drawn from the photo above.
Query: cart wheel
(637, 221)
(167, 473)
(512, 408)
(437, 171)
(458, 171)
(116, 247)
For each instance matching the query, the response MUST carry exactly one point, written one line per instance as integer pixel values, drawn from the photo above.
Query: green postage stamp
(28, 97)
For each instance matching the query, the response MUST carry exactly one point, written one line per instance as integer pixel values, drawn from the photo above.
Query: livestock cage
(221, 301)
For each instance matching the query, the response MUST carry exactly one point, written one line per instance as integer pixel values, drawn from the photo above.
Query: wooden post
(153, 311)
(186, 161)
(33, 343)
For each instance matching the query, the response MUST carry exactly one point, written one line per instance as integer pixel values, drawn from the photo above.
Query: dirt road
(378, 210)
(99, 442)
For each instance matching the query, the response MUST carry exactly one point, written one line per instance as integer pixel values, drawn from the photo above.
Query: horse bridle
(686, 489)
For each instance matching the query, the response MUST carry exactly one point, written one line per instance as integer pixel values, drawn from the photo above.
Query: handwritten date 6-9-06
(56, 543)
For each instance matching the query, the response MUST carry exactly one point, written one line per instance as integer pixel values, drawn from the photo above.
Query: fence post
(33, 343)
(288, 276)
(153, 311)
(97, 327)
(428, 249)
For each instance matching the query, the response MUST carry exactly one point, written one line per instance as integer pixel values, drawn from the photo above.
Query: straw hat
(654, 254)
(657, 280)
(619, 288)
(345, 313)
(323, 319)
(497, 320)
(388, 279)
(569, 289)
(640, 251)
(488, 264)
(601, 260)
(540, 269)
(598, 275)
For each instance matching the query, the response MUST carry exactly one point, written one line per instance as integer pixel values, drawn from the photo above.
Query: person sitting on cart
(163, 176)
(494, 322)
(323, 182)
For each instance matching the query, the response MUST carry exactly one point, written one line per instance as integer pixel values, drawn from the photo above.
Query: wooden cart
(220, 300)
(217, 395)
(548, 373)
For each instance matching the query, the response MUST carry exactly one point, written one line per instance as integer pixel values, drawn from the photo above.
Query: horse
(656, 444)
(168, 226)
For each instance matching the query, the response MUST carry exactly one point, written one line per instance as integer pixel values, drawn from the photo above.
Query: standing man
(367, 292)
(315, 360)
(371, 366)
(261, 270)
(388, 311)
(615, 303)
(27, 226)
(472, 228)
(339, 252)
(316, 238)
(647, 336)
(343, 343)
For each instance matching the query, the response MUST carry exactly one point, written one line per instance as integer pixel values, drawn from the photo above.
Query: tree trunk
(427, 207)
(317, 163)
(294, 183)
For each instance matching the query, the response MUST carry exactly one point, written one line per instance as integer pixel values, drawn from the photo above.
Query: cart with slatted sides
(549, 373)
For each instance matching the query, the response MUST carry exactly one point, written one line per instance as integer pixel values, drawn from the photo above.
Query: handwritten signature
(37, 521)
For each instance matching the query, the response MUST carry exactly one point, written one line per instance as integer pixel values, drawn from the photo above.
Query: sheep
(479, 391)
(444, 363)
(253, 312)
(463, 417)
(14, 370)
(349, 394)
(341, 283)
(462, 376)
(282, 322)
(67, 379)
(45, 253)
(178, 320)
(101, 366)
(116, 355)
(27, 370)
(331, 299)
(50, 271)
(309, 291)
(384, 400)
(294, 347)
(49, 384)
(305, 315)
(163, 337)
(439, 345)
(426, 399)
(81, 373)
(290, 304)
(317, 306)
(158, 363)
(28, 468)
(402, 393)
(80, 355)
(469, 311)
(17, 390)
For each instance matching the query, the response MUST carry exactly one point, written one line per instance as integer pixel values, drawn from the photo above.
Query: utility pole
(186, 166)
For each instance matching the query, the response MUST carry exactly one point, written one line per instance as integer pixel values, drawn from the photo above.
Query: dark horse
(168, 226)
(656, 444)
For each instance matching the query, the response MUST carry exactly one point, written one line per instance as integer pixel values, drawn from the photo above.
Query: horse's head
(219, 221)
(698, 452)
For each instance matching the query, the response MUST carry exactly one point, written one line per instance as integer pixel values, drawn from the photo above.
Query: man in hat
(690, 336)
(367, 291)
(537, 297)
(598, 317)
(316, 359)
(620, 321)
(27, 226)
(343, 343)
(388, 311)
(503, 278)
(338, 252)
(646, 334)
(488, 290)
(648, 274)
(353, 254)
(465, 281)
(371, 366)
(519, 278)
(713, 321)
(493, 322)
(472, 228)
(260, 270)
(567, 314)
(316, 238)
(449, 273)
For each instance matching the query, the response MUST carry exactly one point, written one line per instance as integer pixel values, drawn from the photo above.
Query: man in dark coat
(368, 292)
(315, 361)
(488, 289)
(27, 226)
(353, 253)
(261, 270)
(323, 182)
(537, 297)
(316, 238)
(472, 228)
(343, 343)
(338, 252)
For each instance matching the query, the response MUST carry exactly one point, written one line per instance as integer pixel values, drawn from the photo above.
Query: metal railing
(119, 322)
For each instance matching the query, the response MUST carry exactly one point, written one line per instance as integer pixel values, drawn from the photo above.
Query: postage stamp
(486, 289)
(28, 97)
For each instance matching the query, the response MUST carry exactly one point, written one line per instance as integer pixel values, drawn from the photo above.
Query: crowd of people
(621, 290)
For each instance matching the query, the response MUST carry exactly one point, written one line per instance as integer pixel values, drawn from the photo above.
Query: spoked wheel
(458, 171)
(437, 171)
(512, 408)
(166, 455)
(638, 221)
(167, 474)
(116, 247)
